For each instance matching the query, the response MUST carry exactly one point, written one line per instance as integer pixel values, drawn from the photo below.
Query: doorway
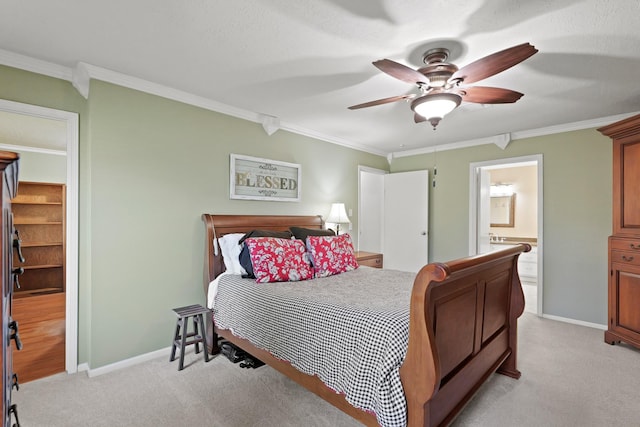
(70, 146)
(393, 216)
(370, 209)
(512, 216)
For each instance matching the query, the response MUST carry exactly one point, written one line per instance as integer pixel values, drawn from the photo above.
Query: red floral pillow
(278, 260)
(331, 254)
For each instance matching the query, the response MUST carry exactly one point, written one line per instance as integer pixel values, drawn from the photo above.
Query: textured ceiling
(306, 61)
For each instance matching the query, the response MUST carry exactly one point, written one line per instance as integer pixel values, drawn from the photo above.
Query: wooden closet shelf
(40, 244)
(32, 202)
(27, 222)
(34, 292)
(41, 266)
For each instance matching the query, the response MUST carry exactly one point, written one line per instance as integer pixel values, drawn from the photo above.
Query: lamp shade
(338, 214)
(434, 107)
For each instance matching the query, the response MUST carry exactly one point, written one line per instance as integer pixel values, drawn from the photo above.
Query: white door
(406, 219)
(371, 210)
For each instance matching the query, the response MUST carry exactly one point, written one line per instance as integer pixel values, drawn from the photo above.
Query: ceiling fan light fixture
(443, 85)
(434, 107)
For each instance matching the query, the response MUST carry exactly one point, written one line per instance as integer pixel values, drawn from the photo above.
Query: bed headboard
(219, 225)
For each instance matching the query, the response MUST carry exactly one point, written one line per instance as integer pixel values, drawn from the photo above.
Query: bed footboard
(462, 329)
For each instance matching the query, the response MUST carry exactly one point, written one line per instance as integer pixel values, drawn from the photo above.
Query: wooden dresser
(10, 337)
(624, 244)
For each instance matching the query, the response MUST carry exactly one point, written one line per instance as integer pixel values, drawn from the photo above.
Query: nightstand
(370, 259)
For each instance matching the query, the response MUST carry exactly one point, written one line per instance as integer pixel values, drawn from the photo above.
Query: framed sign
(252, 178)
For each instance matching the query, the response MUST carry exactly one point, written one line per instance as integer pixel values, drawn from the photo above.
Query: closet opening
(46, 210)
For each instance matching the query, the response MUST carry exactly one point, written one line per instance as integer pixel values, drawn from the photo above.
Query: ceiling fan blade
(489, 95)
(494, 63)
(382, 101)
(418, 118)
(400, 72)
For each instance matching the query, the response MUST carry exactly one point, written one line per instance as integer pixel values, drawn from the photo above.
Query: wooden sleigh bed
(462, 325)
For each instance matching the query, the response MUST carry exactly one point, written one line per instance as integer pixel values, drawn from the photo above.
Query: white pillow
(231, 252)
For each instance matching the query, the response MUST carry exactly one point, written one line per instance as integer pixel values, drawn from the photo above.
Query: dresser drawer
(625, 257)
(369, 259)
(625, 244)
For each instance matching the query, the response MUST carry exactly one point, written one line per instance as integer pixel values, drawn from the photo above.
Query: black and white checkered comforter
(351, 330)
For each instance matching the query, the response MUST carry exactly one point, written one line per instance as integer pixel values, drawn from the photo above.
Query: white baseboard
(575, 322)
(124, 363)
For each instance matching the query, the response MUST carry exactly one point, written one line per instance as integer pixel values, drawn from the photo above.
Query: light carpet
(570, 377)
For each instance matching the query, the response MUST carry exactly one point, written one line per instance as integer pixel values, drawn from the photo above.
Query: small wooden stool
(182, 332)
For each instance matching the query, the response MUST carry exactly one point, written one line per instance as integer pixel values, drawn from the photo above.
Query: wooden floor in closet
(41, 319)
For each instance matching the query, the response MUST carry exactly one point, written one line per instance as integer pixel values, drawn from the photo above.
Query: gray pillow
(302, 233)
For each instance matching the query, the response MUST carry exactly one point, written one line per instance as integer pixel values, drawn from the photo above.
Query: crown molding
(337, 141)
(569, 127)
(504, 140)
(81, 80)
(497, 140)
(124, 80)
(38, 66)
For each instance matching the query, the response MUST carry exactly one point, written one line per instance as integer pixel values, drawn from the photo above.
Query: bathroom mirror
(503, 210)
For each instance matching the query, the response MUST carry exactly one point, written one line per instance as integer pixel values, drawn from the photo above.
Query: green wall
(39, 167)
(149, 167)
(577, 213)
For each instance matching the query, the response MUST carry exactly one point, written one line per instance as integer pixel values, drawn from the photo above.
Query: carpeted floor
(570, 377)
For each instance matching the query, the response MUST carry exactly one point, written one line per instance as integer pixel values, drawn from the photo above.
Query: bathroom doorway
(506, 208)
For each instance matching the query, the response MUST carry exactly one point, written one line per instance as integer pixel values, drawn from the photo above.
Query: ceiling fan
(443, 85)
